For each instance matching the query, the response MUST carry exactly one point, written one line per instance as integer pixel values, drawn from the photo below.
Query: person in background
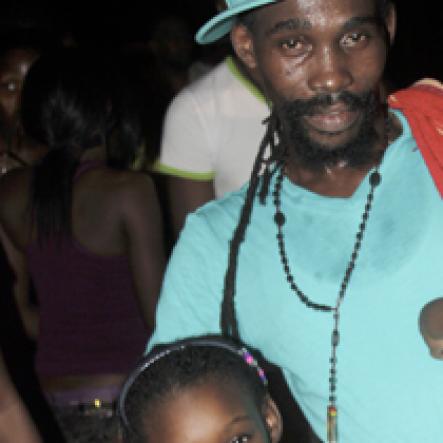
(210, 136)
(172, 46)
(199, 390)
(15, 422)
(325, 259)
(17, 352)
(91, 232)
(19, 48)
(18, 52)
(149, 93)
(16, 148)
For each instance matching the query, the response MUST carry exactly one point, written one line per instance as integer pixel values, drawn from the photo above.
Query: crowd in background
(145, 75)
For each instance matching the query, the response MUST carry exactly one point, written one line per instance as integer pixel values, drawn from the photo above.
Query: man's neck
(340, 179)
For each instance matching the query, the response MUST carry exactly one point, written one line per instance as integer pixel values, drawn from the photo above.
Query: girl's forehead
(202, 413)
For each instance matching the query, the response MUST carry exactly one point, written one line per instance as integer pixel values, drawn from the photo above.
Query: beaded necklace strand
(280, 220)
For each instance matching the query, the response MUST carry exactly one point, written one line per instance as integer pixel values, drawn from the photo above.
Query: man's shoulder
(219, 217)
(233, 199)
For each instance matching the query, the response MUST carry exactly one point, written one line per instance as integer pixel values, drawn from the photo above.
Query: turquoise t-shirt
(389, 389)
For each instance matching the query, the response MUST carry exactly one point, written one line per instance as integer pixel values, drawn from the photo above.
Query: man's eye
(293, 46)
(354, 39)
(290, 44)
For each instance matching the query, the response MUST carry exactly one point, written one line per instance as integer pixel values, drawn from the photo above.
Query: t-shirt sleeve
(192, 289)
(186, 148)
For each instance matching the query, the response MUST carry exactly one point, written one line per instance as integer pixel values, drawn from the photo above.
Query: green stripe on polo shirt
(168, 170)
(246, 82)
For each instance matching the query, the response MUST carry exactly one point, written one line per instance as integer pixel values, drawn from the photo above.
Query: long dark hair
(71, 103)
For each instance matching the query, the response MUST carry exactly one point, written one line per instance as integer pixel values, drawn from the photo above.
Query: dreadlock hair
(68, 104)
(169, 369)
(228, 320)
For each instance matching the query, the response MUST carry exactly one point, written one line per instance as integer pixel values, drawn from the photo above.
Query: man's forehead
(230, 10)
(302, 14)
(222, 5)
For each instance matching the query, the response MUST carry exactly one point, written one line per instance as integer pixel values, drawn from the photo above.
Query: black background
(416, 53)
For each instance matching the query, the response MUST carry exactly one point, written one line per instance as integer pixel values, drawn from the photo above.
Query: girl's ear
(273, 419)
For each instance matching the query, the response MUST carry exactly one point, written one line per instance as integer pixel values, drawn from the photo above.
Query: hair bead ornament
(252, 362)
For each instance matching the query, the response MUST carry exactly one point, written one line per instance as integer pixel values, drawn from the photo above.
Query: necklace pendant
(375, 179)
(332, 424)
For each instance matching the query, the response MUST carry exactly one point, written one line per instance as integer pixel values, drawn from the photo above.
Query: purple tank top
(90, 322)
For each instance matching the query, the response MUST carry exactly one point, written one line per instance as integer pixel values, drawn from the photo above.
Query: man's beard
(356, 152)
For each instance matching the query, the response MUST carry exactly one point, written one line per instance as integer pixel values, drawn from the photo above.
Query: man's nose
(330, 73)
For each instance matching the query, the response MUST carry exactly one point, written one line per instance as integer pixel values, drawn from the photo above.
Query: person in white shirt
(211, 134)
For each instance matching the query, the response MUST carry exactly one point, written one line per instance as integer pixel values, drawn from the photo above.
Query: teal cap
(222, 23)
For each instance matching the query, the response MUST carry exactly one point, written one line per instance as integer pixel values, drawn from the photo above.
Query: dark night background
(416, 53)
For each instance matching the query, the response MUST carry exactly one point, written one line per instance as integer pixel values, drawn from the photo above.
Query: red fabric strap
(422, 104)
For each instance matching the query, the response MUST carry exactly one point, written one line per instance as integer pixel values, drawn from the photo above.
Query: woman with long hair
(91, 232)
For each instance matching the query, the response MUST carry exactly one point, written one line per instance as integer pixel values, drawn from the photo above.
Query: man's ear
(273, 419)
(243, 45)
(391, 22)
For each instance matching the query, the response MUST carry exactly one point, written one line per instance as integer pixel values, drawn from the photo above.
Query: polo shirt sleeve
(193, 285)
(185, 150)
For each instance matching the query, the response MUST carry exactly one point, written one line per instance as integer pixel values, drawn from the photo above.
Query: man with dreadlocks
(324, 262)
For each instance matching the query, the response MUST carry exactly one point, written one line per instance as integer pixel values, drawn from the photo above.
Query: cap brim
(222, 23)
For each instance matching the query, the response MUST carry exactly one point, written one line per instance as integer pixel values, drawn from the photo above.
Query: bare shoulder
(14, 189)
(14, 180)
(14, 198)
(130, 187)
(134, 198)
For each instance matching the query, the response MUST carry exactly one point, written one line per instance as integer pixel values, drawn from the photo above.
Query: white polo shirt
(213, 129)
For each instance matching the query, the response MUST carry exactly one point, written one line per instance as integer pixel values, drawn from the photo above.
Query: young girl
(199, 390)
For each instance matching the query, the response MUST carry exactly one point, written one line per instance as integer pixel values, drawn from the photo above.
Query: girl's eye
(241, 439)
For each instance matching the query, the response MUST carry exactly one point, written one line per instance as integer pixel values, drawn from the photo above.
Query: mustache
(308, 107)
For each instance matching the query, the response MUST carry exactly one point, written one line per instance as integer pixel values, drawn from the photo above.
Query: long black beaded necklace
(280, 220)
